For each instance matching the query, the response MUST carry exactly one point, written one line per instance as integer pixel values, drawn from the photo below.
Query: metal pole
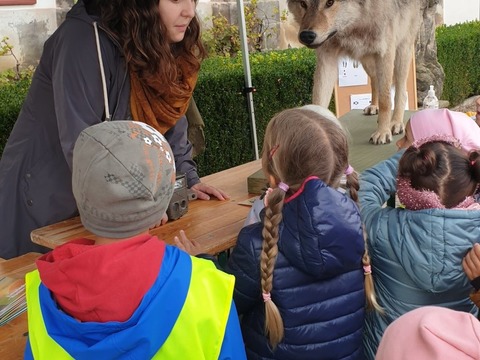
(246, 68)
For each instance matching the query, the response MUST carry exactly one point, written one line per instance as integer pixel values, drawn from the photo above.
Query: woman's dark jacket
(65, 97)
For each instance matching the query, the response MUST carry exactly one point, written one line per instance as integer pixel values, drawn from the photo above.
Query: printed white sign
(351, 73)
(361, 101)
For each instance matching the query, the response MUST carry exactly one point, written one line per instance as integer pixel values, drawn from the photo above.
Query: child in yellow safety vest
(127, 294)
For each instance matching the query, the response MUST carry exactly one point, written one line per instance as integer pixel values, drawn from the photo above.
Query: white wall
(27, 27)
(41, 4)
(459, 11)
(204, 10)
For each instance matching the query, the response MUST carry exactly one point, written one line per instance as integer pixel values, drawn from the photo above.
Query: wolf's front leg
(384, 67)
(368, 63)
(402, 64)
(326, 73)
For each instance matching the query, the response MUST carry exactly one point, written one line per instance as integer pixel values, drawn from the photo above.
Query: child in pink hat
(416, 252)
(428, 122)
(431, 333)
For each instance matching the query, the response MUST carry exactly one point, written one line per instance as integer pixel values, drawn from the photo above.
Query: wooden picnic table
(214, 224)
(13, 335)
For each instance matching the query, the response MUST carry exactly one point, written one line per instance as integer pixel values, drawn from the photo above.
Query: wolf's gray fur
(378, 33)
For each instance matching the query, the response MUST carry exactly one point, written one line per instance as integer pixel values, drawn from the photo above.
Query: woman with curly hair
(150, 52)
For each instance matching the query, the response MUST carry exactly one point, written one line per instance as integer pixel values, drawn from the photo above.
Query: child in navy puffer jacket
(299, 274)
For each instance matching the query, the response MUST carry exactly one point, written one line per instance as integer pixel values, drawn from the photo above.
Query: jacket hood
(326, 228)
(90, 282)
(430, 248)
(79, 12)
(116, 339)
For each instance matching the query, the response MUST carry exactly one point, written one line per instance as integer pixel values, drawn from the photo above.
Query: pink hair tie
(349, 170)
(266, 297)
(367, 269)
(283, 186)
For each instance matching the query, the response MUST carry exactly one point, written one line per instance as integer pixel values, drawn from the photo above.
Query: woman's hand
(189, 246)
(471, 262)
(204, 191)
(163, 221)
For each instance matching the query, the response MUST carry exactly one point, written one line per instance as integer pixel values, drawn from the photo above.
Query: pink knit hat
(431, 333)
(428, 122)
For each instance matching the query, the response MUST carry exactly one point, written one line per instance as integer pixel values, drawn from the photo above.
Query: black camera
(178, 205)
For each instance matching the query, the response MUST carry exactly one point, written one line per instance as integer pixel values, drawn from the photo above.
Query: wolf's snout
(307, 37)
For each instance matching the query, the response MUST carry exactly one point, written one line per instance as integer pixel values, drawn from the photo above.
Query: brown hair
(136, 26)
(299, 143)
(442, 168)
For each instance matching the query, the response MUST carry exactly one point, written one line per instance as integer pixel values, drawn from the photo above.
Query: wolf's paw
(381, 137)
(371, 110)
(398, 128)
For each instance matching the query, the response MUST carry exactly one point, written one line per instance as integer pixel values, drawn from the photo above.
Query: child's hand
(471, 262)
(189, 246)
(265, 197)
(163, 221)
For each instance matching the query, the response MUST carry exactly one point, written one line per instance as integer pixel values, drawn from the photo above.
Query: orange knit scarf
(157, 105)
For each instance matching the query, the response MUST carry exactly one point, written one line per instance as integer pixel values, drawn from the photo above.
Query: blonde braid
(371, 297)
(273, 216)
(370, 294)
(353, 185)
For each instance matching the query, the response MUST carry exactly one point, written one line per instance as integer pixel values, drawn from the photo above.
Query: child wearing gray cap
(127, 294)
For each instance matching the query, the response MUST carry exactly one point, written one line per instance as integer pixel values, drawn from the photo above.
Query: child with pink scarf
(417, 251)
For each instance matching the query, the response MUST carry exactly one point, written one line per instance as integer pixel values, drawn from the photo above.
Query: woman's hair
(298, 143)
(442, 168)
(137, 27)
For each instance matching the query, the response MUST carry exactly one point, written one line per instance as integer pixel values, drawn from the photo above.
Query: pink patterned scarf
(414, 199)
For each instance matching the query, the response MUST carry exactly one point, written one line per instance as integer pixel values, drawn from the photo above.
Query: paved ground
(363, 154)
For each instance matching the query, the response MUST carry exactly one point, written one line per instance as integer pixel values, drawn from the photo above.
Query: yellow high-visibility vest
(198, 332)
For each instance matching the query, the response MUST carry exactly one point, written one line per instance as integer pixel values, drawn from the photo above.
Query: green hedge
(12, 95)
(282, 79)
(458, 49)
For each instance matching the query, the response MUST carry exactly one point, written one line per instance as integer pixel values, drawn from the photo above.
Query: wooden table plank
(214, 224)
(13, 335)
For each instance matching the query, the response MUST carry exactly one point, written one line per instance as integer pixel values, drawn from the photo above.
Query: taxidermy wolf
(379, 33)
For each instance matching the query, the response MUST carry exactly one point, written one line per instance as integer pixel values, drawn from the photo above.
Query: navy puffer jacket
(317, 281)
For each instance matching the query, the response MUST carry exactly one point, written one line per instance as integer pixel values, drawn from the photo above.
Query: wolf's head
(319, 20)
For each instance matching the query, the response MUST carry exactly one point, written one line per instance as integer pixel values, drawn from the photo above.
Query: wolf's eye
(303, 4)
(329, 3)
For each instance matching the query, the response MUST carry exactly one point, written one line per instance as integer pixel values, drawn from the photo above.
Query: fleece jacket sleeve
(177, 137)
(377, 184)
